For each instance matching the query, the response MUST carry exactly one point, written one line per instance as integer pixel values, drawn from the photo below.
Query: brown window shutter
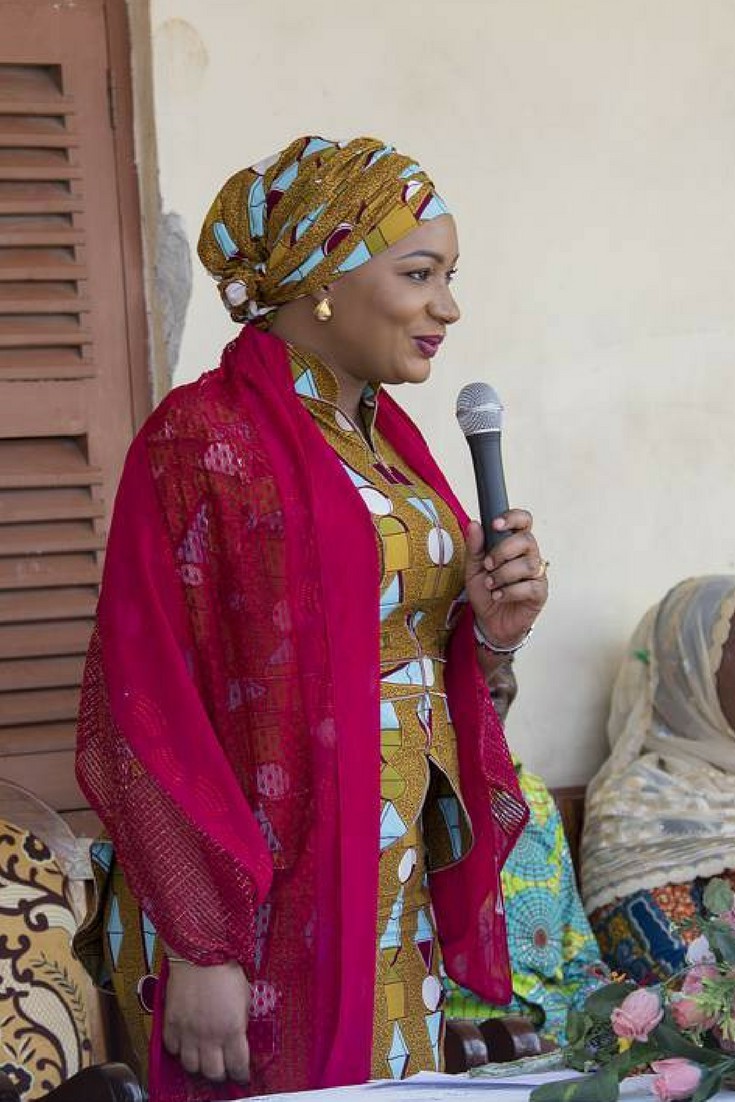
(65, 389)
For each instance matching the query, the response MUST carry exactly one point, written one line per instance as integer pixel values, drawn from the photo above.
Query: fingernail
(489, 583)
(496, 595)
(498, 523)
(488, 563)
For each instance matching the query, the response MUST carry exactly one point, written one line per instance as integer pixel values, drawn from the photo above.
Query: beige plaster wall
(587, 149)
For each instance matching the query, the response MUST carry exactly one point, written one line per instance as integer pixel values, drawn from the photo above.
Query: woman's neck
(298, 328)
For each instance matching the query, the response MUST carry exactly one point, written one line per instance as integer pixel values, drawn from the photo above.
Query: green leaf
(601, 1003)
(722, 939)
(718, 897)
(603, 1086)
(639, 1053)
(710, 1084)
(577, 1025)
(672, 1043)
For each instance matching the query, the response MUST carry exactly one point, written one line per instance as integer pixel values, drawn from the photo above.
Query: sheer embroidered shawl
(228, 732)
(661, 810)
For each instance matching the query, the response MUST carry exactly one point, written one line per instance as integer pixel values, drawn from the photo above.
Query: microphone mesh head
(479, 409)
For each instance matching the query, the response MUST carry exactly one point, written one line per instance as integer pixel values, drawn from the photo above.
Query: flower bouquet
(683, 1030)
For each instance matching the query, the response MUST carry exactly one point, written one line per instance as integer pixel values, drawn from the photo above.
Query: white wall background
(587, 148)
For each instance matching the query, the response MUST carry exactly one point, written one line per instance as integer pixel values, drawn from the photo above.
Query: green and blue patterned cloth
(555, 959)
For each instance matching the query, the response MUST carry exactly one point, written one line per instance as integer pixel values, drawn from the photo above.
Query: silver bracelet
(483, 640)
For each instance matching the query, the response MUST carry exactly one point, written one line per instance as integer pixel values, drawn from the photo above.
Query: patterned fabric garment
(422, 573)
(300, 219)
(424, 825)
(641, 935)
(555, 959)
(44, 1017)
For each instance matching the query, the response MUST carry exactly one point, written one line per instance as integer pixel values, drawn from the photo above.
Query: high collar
(317, 385)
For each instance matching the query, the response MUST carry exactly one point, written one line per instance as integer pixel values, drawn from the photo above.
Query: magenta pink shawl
(228, 731)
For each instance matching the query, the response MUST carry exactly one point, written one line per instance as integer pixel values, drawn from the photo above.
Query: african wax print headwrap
(300, 219)
(661, 810)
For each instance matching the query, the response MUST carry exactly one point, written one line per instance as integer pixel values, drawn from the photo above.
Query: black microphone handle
(492, 495)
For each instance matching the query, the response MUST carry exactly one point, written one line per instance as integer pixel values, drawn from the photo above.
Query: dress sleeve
(148, 757)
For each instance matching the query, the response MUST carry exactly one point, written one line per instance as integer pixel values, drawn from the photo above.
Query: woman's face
(726, 678)
(391, 314)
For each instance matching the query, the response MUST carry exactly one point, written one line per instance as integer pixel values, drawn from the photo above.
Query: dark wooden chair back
(570, 801)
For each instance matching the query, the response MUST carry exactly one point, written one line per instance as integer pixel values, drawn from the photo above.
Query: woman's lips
(428, 346)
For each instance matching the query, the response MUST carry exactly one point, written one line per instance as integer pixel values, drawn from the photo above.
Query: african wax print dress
(555, 959)
(646, 935)
(424, 825)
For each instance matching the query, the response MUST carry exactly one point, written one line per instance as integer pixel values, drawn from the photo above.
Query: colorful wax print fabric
(554, 956)
(424, 825)
(644, 935)
(297, 221)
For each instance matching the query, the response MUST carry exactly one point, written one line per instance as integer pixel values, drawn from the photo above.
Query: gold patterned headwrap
(297, 221)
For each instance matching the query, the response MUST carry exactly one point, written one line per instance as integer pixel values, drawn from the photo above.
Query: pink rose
(675, 1079)
(688, 1014)
(692, 984)
(637, 1015)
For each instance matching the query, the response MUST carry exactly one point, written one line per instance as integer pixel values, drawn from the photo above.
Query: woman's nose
(445, 309)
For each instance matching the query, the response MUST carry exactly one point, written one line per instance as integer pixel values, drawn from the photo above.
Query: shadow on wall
(173, 286)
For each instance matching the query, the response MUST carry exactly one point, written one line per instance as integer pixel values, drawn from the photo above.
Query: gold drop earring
(323, 309)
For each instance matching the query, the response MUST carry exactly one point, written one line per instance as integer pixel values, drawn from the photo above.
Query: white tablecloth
(430, 1087)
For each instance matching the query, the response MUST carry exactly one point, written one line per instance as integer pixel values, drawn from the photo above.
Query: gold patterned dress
(424, 825)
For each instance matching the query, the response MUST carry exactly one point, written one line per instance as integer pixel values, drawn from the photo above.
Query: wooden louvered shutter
(66, 388)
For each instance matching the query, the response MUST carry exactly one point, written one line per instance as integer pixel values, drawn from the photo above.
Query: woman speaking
(284, 727)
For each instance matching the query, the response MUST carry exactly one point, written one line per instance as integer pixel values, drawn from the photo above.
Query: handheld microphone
(480, 416)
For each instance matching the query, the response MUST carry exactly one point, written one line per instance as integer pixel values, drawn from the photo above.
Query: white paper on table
(427, 1086)
(439, 1087)
(424, 1079)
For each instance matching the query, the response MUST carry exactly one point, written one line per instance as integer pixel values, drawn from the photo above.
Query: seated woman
(660, 817)
(554, 956)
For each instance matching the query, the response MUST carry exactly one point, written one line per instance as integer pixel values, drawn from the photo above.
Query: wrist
(488, 644)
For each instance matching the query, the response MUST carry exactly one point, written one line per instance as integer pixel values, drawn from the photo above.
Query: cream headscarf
(662, 808)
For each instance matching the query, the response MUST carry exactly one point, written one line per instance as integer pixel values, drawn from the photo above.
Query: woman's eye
(420, 276)
(451, 275)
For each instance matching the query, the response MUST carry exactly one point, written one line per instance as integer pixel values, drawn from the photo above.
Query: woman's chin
(416, 370)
